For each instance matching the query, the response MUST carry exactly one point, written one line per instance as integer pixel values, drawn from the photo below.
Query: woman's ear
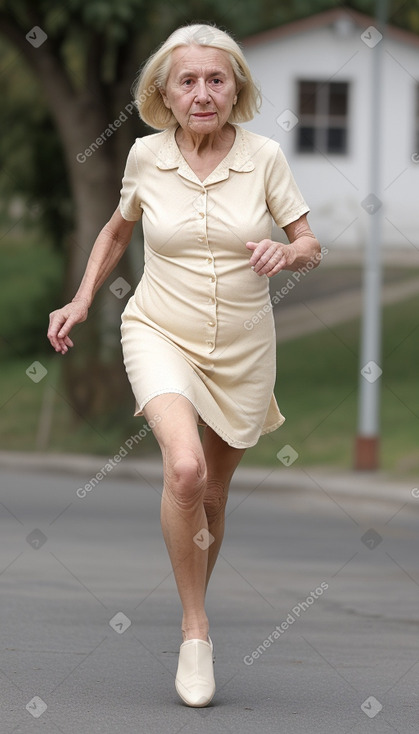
(239, 87)
(164, 96)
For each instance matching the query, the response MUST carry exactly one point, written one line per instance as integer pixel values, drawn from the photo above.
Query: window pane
(336, 140)
(305, 139)
(338, 98)
(307, 101)
(323, 112)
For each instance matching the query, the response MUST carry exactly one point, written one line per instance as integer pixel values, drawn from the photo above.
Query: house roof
(328, 18)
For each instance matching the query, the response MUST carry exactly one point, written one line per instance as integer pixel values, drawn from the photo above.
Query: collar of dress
(237, 159)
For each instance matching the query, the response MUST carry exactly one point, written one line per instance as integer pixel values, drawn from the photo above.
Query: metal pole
(367, 441)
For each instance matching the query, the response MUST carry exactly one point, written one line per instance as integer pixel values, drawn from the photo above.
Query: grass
(317, 391)
(27, 407)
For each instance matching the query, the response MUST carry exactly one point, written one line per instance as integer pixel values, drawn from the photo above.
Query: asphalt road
(313, 609)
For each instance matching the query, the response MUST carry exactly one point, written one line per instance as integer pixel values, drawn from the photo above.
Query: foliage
(31, 155)
(31, 280)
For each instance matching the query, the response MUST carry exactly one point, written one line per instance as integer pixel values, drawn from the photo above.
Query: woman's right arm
(108, 249)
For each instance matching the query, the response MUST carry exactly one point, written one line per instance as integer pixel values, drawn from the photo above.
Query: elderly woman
(206, 190)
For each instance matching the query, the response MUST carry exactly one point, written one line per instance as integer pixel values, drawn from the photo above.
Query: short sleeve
(129, 203)
(283, 197)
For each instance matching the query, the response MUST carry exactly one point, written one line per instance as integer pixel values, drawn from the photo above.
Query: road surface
(313, 612)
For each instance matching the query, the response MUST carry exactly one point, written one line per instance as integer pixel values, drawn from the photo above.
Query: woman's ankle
(195, 630)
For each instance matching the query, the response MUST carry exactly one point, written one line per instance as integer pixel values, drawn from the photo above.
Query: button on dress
(188, 327)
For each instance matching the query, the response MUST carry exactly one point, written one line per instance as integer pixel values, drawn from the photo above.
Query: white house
(316, 77)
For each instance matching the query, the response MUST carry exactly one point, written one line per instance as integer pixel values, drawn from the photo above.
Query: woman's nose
(201, 91)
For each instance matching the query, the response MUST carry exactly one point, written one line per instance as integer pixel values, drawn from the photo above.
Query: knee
(186, 478)
(215, 498)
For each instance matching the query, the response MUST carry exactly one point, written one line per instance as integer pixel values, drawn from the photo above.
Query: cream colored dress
(186, 328)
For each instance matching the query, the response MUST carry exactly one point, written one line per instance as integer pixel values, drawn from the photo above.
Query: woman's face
(200, 88)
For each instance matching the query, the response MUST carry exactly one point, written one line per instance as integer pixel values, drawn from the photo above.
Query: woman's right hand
(62, 321)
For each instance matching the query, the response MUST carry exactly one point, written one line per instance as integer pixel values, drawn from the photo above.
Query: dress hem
(139, 411)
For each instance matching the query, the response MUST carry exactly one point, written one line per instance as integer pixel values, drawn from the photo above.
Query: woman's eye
(217, 81)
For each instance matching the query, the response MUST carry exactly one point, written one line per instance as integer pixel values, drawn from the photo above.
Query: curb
(352, 484)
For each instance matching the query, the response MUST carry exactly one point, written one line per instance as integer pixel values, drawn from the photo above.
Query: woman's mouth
(203, 114)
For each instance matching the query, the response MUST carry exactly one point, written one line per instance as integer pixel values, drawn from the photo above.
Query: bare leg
(182, 509)
(222, 461)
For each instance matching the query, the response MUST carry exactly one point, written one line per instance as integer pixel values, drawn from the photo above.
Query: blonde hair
(155, 72)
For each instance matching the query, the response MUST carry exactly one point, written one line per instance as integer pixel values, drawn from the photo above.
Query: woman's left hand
(269, 257)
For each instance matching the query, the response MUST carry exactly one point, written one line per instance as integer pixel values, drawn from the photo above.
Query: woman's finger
(56, 320)
(266, 258)
(66, 328)
(277, 267)
(63, 345)
(275, 263)
(258, 249)
(62, 321)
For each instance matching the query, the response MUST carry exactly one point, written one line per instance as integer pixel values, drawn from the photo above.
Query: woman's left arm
(269, 257)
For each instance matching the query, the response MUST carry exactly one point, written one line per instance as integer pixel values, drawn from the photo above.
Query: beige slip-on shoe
(195, 682)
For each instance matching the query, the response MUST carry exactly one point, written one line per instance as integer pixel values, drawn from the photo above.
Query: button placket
(210, 322)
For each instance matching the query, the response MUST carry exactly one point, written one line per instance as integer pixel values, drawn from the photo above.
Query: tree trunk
(93, 372)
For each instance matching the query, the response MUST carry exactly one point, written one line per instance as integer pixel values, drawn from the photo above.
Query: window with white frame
(323, 117)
